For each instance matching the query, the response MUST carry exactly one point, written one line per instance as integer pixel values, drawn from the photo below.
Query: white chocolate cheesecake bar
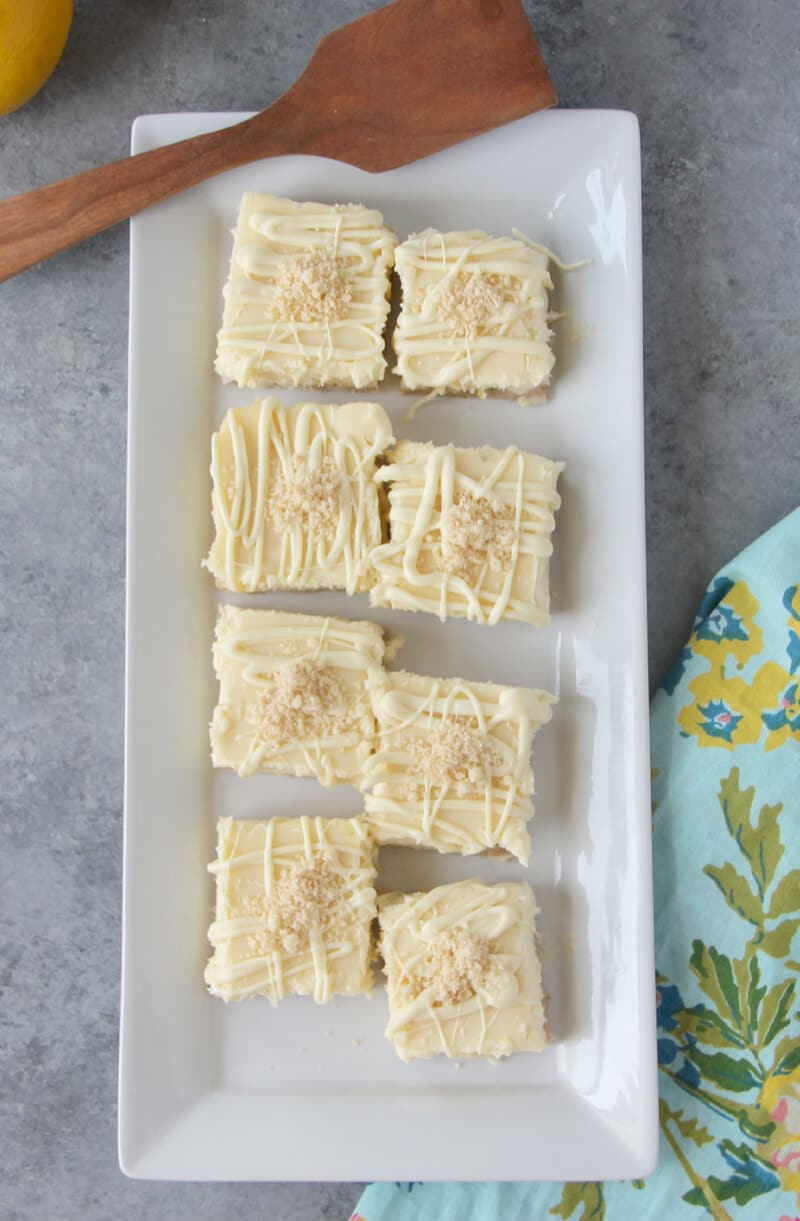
(293, 694)
(463, 975)
(294, 909)
(452, 764)
(294, 500)
(307, 295)
(474, 314)
(470, 533)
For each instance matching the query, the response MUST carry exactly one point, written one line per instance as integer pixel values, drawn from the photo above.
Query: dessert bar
(293, 694)
(294, 909)
(469, 533)
(463, 975)
(307, 295)
(294, 501)
(452, 764)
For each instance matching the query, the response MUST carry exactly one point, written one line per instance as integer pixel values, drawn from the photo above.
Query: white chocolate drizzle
(553, 258)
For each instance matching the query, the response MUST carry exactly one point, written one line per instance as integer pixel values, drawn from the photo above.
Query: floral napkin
(725, 730)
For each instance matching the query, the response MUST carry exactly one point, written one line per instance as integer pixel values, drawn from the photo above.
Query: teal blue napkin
(725, 728)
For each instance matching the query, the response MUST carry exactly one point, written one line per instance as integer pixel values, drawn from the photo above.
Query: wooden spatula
(396, 85)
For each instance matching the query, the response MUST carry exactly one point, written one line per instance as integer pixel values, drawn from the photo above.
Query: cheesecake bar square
(307, 295)
(294, 501)
(293, 694)
(451, 770)
(462, 972)
(469, 533)
(474, 317)
(294, 909)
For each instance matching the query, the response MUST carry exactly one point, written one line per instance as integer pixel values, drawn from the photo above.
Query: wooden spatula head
(414, 77)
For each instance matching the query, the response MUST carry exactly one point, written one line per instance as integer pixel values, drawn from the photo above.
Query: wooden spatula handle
(42, 222)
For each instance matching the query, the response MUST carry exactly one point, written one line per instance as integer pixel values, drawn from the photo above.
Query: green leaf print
(777, 942)
(727, 1051)
(694, 1131)
(760, 844)
(774, 1016)
(736, 893)
(787, 1057)
(586, 1196)
(715, 974)
(754, 995)
(755, 1121)
(690, 1129)
(786, 895)
(769, 848)
(732, 1073)
(741, 1186)
(708, 1027)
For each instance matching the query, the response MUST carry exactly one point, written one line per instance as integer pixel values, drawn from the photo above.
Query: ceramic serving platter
(209, 1091)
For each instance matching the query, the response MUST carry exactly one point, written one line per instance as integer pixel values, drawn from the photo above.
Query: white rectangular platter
(209, 1091)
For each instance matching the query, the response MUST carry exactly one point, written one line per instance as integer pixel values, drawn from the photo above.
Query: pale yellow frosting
(293, 694)
(470, 533)
(294, 500)
(474, 314)
(452, 765)
(295, 904)
(306, 300)
(463, 975)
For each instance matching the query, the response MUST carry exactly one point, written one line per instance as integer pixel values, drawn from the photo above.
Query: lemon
(32, 37)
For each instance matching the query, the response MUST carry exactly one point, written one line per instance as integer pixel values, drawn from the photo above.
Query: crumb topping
(307, 494)
(306, 896)
(306, 700)
(456, 967)
(455, 755)
(477, 531)
(468, 300)
(312, 287)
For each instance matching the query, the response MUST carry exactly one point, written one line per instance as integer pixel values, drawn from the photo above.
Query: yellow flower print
(783, 719)
(728, 712)
(781, 1098)
(726, 624)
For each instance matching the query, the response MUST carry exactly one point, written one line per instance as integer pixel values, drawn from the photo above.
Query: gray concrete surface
(716, 88)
